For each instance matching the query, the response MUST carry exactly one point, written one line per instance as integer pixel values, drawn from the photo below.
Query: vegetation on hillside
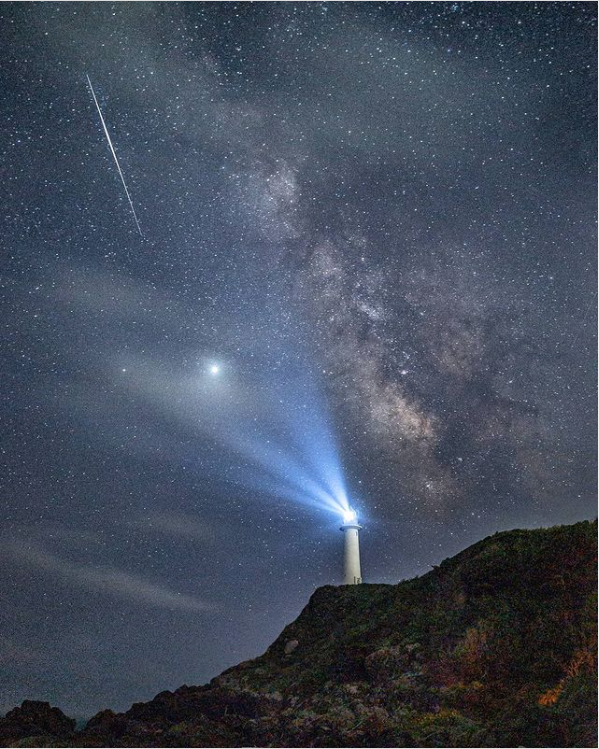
(495, 647)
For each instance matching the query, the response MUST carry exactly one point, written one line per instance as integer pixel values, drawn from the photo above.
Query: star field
(369, 248)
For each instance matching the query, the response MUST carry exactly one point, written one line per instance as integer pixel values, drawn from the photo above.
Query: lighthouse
(352, 574)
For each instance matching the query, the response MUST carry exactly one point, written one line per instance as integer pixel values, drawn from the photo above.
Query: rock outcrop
(36, 721)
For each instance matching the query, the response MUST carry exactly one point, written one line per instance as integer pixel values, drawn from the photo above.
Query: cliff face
(495, 647)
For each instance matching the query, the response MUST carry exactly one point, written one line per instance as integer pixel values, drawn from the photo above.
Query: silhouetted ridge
(496, 646)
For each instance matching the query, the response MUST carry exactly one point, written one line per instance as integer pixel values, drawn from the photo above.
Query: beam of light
(278, 470)
(272, 430)
(116, 161)
(282, 447)
(350, 516)
(261, 422)
(307, 432)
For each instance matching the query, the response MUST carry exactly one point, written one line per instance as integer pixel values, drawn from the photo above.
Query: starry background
(376, 220)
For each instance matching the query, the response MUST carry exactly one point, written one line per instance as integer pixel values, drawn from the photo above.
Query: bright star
(214, 369)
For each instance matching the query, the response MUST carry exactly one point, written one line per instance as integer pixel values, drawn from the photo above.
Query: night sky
(367, 276)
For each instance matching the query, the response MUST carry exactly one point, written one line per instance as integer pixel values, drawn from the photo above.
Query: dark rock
(291, 646)
(34, 719)
(107, 723)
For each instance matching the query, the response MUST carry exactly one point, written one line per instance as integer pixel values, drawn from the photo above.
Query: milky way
(376, 221)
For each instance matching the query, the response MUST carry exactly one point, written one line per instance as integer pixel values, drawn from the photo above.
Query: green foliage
(446, 728)
(36, 741)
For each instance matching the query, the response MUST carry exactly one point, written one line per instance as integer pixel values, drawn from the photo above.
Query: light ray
(116, 161)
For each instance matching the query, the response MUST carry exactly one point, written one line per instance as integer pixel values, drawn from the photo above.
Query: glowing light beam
(350, 516)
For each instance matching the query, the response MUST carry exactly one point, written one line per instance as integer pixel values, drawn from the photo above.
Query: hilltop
(495, 647)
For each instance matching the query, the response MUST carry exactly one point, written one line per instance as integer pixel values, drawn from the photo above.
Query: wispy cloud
(104, 579)
(178, 525)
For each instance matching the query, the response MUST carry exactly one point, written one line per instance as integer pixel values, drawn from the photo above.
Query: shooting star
(116, 161)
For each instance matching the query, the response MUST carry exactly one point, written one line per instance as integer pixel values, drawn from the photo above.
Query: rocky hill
(495, 647)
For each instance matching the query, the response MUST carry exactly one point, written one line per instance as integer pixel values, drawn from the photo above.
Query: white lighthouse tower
(352, 574)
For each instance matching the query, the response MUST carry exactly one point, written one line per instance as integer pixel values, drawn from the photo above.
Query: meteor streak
(116, 161)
